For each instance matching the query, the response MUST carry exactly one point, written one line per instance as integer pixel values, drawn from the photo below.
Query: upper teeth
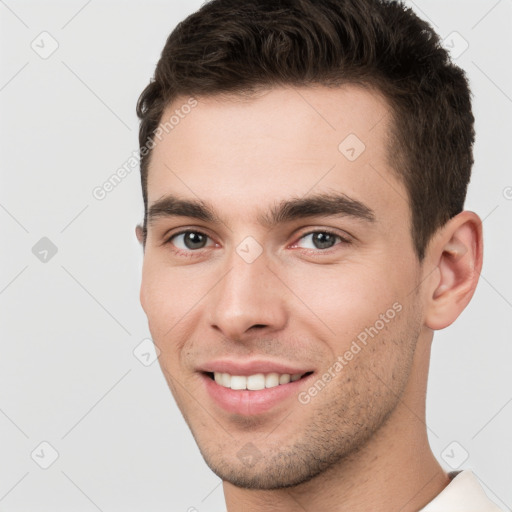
(254, 382)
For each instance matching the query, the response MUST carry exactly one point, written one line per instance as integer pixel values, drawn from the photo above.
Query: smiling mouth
(256, 382)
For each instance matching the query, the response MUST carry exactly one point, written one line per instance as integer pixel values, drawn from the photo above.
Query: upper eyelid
(167, 236)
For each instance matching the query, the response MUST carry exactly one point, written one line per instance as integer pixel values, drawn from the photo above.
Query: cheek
(169, 297)
(159, 299)
(344, 297)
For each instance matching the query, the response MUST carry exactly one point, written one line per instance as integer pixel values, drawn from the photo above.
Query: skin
(361, 442)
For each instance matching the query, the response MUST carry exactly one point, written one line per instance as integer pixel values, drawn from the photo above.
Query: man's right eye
(189, 240)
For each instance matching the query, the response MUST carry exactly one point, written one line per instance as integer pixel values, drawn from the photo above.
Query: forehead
(241, 154)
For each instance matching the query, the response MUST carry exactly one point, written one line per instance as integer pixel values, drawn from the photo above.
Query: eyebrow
(324, 204)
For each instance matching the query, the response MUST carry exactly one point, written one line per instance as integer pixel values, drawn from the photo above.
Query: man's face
(260, 288)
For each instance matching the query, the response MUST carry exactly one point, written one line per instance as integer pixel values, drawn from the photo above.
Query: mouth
(250, 395)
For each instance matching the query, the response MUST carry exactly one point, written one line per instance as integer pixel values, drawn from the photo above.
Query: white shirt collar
(463, 494)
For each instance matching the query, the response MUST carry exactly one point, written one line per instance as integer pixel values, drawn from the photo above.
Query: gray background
(74, 366)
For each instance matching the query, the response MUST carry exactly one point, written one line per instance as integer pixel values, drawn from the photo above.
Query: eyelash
(192, 253)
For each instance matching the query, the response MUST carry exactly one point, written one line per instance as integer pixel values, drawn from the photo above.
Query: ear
(139, 232)
(457, 254)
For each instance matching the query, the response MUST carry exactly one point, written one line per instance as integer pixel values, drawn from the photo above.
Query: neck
(394, 470)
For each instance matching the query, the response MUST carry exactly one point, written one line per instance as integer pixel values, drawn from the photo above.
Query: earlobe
(459, 255)
(139, 232)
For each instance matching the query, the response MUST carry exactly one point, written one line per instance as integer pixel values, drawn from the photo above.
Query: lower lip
(249, 403)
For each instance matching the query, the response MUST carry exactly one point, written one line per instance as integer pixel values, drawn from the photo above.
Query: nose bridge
(246, 295)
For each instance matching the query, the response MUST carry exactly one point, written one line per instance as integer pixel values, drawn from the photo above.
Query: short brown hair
(240, 46)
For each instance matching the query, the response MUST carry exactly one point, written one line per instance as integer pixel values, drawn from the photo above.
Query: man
(304, 169)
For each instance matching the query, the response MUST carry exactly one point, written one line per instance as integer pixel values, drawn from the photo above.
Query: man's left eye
(321, 240)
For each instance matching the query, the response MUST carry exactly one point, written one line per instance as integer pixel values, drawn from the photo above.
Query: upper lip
(251, 367)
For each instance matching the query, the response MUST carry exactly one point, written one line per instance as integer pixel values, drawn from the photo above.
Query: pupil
(194, 240)
(323, 240)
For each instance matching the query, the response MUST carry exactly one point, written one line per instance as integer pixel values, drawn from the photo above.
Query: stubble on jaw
(360, 402)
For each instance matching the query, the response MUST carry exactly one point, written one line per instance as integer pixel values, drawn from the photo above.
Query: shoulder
(463, 494)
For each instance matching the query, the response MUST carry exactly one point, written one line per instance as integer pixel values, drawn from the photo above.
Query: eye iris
(323, 240)
(194, 240)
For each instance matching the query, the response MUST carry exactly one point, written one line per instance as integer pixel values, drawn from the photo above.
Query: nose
(249, 298)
